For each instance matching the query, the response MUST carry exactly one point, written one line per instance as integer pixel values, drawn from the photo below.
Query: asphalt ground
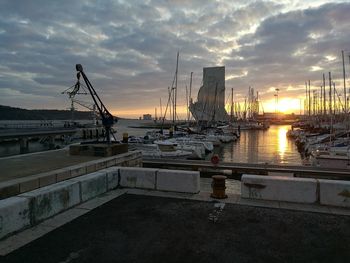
(136, 228)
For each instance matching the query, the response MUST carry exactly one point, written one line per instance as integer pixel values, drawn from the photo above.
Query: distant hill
(10, 113)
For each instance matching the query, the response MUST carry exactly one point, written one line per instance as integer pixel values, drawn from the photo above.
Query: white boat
(208, 146)
(333, 157)
(172, 145)
(154, 151)
(205, 138)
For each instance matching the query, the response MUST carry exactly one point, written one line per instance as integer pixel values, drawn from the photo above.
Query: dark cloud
(128, 48)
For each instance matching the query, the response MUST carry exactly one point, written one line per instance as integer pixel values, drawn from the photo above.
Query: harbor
(174, 131)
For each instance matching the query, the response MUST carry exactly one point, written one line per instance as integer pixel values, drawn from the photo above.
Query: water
(271, 146)
(256, 146)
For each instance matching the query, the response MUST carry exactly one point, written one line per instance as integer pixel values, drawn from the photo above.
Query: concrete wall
(29, 183)
(27, 209)
(300, 190)
(279, 188)
(178, 181)
(138, 177)
(335, 193)
(14, 215)
(50, 200)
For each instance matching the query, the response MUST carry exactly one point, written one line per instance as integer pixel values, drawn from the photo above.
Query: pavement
(139, 226)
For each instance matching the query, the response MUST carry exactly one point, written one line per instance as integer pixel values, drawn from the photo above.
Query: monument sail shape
(210, 105)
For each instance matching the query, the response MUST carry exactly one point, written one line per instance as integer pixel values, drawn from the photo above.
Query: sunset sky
(128, 49)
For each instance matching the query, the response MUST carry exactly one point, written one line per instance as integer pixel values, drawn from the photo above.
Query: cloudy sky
(128, 48)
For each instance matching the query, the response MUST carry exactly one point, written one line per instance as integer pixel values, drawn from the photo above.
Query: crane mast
(107, 118)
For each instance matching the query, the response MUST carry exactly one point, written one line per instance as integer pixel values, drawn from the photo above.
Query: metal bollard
(219, 187)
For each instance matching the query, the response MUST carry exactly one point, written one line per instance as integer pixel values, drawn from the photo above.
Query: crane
(107, 118)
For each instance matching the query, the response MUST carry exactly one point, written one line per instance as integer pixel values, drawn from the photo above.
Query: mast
(187, 105)
(334, 99)
(320, 104)
(161, 110)
(345, 102)
(324, 95)
(309, 99)
(190, 95)
(330, 93)
(231, 105)
(306, 99)
(175, 90)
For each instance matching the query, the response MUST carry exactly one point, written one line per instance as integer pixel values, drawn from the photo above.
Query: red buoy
(215, 159)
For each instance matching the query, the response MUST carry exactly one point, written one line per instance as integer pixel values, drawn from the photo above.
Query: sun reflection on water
(282, 142)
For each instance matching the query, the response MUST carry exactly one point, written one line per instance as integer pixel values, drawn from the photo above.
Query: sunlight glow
(285, 105)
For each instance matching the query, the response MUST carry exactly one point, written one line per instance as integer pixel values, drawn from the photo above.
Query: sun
(284, 105)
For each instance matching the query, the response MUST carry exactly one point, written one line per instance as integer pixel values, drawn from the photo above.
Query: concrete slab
(112, 177)
(110, 162)
(47, 179)
(178, 181)
(14, 215)
(91, 185)
(62, 174)
(100, 165)
(8, 189)
(335, 193)
(135, 177)
(52, 199)
(77, 170)
(90, 167)
(279, 188)
(28, 184)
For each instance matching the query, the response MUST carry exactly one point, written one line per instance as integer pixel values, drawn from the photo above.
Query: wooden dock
(238, 169)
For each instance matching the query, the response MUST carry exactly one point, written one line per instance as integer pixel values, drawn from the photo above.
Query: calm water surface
(270, 146)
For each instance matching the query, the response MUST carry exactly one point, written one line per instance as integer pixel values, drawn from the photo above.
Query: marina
(254, 146)
(175, 131)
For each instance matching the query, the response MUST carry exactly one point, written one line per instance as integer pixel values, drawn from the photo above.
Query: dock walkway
(34, 163)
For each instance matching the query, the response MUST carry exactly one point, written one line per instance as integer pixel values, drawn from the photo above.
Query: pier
(23, 136)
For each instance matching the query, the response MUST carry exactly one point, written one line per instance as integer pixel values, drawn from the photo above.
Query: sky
(128, 49)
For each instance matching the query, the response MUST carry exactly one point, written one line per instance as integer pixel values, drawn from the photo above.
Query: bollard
(125, 137)
(218, 186)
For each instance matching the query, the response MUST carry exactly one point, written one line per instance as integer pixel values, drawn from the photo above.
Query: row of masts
(326, 100)
(248, 110)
